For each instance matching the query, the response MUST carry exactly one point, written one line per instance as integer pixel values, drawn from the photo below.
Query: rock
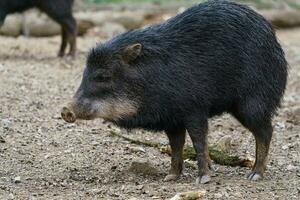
(32, 198)
(280, 125)
(2, 139)
(291, 167)
(38, 24)
(140, 187)
(238, 195)
(12, 25)
(97, 18)
(295, 116)
(166, 17)
(6, 122)
(95, 191)
(10, 197)
(111, 29)
(2, 67)
(283, 18)
(143, 168)
(203, 180)
(190, 164)
(181, 10)
(225, 143)
(17, 179)
(83, 26)
(164, 142)
(134, 149)
(130, 20)
(192, 195)
(4, 179)
(218, 196)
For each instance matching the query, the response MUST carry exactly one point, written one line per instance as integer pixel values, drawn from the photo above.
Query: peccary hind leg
(259, 123)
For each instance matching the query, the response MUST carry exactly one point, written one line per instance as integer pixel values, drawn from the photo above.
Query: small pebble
(218, 196)
(4, 179)
(291, 167)
(284, 147)
(140, 187)
(280, 125)
(137, 149)
(10, 197)
(2, 139)
(17, 179)
(1, 67)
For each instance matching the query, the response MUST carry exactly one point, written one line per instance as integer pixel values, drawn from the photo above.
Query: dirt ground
(42, 157)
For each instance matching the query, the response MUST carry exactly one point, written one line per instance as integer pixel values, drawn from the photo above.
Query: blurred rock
(12, 25)
(38, 24)
(166, 17)
(130, 20)
(83, 26)
(2, 67)
(283, 18)
(111, 29)
(108, 30)
(96, 18)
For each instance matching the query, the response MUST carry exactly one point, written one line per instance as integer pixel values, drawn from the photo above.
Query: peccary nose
(68, 115)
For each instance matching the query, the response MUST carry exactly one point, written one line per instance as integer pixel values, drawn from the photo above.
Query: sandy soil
(42, 157)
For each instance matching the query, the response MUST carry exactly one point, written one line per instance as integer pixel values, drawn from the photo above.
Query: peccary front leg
(177, 140)
(197, 129)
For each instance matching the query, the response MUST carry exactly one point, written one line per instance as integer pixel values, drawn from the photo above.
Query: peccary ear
(131, 52)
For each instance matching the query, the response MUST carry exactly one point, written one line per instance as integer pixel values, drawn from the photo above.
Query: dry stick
(215, 153)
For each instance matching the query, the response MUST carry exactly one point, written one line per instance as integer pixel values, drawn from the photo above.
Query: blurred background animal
(59, 10)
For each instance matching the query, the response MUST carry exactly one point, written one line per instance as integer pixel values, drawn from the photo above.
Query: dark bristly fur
(58, 10)
(213, 58)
